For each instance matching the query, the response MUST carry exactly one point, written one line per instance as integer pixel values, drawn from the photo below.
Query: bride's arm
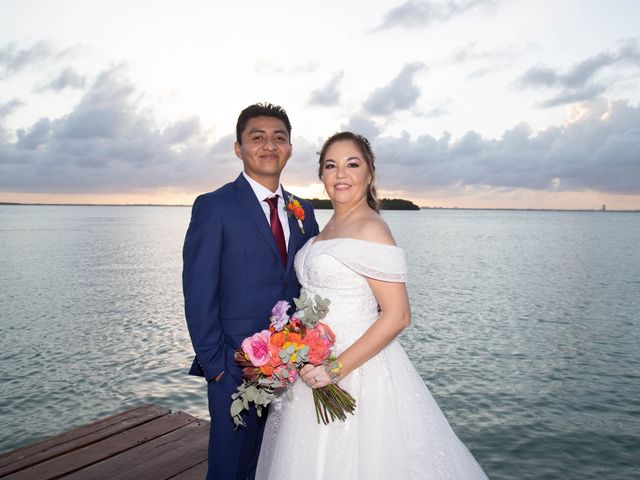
(394, 317)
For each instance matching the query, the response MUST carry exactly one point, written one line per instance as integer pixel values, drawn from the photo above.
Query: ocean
(525, 327)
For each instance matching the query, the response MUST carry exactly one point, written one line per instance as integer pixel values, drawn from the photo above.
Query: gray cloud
(6, 109)
(38, 134)
(67, 78)
(109, 144)
(600, 151)
(400, 94)
(572, 96)
(485, 61)
(329, 94)
(9, 107)
(470, 53)
(362, 124)
(539, 76)
(182, 131)
(580, 82)
(14, 59)
(418, 14)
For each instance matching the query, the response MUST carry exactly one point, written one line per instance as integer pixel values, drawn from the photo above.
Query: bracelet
(334, 370)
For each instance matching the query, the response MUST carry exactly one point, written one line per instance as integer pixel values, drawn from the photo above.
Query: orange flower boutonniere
(294, 208)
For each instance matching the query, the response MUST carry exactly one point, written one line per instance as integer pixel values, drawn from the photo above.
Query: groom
(238, 262)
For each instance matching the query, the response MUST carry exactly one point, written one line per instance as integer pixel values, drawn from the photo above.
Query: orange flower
(274, 354)
(294, 338)
(294, 207)
(278, 339)
(267, 370)
(319, 346)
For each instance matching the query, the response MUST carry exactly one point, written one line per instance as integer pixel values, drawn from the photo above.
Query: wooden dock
(146, 443)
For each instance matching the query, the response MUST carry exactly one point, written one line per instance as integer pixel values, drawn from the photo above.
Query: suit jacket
(233, 274)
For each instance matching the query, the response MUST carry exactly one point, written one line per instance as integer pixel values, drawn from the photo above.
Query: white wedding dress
(397, 431)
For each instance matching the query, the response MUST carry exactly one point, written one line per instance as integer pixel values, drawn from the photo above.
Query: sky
(467, 103)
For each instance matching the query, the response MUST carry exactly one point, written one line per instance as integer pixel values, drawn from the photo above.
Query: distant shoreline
(506, 209)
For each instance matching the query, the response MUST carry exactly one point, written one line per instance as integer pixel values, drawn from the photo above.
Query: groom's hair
(261, 110)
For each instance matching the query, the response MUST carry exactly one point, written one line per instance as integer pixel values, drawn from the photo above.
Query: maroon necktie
(276, 228)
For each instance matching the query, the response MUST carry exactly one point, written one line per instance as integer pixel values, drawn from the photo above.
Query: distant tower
(604, 207)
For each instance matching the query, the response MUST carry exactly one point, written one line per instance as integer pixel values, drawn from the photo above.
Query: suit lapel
(295, 235)
(246, 198)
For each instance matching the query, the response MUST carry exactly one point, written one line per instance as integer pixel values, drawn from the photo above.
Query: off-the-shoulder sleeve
(371, 259)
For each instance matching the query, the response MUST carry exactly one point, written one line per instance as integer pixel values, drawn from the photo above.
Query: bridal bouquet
(271, 359)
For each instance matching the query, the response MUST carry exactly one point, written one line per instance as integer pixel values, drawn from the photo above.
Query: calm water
(526, 328)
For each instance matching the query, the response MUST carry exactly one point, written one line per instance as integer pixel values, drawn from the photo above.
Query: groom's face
(265, 148)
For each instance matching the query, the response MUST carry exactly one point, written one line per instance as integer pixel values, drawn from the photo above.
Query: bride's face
(345, 173)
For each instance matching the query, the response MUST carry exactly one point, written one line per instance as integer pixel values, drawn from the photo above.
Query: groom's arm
(200, 283)
(312, 217)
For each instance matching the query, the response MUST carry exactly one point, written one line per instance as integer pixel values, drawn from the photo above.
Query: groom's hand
(218, 378)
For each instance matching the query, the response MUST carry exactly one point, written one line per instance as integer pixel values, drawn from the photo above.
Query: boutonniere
(294, 208)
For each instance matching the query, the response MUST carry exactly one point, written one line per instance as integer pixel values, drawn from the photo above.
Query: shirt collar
(261, 192)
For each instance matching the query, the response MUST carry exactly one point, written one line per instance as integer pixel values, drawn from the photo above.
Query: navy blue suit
(232, 277)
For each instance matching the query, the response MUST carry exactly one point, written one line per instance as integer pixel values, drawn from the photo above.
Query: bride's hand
(315, 377)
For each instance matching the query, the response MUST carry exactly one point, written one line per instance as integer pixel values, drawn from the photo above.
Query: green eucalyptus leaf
(236, 407)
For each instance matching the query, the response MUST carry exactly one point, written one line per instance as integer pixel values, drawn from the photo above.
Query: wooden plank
(158, 459)
(49, 448)
(197, 472)
(185, 454)
(108, 447)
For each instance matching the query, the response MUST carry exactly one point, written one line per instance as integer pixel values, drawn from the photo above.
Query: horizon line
(422, 207)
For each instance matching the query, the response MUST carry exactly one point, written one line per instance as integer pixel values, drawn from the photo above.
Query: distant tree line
(385, 204)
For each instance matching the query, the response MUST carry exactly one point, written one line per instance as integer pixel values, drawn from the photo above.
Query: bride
(397, 430)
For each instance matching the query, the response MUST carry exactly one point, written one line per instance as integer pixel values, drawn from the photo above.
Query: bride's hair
(367, 153)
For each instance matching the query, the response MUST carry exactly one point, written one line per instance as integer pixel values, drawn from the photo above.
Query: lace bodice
(337, 269)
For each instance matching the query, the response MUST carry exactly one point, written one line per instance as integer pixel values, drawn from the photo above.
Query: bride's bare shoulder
(373, 229)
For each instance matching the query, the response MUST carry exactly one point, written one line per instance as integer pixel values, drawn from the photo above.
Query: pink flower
(257, 348)
(327, 332)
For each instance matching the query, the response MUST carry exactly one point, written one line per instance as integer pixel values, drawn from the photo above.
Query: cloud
(35, 136)
(418, 14)
(9, 107)
(471, 53)
(572, 96)
(363, 125)
(109, 144)
(400, 94)
(599, 150)
(580, 82)
(67, 78)
(328, 95)
(485, 61)
(14, 60)
(182, 131)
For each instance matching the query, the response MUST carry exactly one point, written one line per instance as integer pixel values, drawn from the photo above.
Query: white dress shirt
(262, 193)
